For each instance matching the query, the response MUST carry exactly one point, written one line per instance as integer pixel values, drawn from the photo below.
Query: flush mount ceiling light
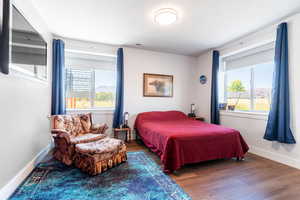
(165, 16)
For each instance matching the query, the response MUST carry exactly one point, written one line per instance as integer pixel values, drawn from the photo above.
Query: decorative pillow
(68, 123)
(86, 122)
(63, 122)
(59, 122)
(77, 126)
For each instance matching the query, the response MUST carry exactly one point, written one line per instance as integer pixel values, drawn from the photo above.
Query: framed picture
(158, 85)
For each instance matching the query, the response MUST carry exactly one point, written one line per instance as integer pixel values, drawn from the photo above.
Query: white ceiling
(202, 24)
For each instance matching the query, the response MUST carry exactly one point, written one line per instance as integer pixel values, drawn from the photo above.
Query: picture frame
(157, 85)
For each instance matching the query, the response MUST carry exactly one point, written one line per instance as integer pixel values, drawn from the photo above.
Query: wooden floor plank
(255, 178)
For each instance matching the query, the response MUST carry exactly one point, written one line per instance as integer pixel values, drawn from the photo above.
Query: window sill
(93, 110)
(241, 114)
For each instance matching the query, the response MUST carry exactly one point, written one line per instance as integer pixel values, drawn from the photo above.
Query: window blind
(80, 60)
(79, 83)
(81, 71)
(251, 57)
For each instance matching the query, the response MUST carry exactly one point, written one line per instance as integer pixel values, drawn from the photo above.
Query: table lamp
(192, 113)
(125, 120)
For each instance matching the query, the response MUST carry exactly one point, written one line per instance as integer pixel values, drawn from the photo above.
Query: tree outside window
(237, 88)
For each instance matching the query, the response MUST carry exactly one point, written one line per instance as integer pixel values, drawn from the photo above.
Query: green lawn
(244, 104)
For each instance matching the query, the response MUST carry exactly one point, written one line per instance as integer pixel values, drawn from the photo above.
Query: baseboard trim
(12, 185)
(275, 157)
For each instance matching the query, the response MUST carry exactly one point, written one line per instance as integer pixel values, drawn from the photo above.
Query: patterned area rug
(140, 178)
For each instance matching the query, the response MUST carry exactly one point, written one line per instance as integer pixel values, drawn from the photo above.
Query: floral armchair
(69, 130)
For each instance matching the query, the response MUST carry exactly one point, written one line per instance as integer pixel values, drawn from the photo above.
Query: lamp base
(124, 126)
(191, 115)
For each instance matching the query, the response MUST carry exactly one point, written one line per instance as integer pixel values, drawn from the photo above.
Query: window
(90, 81)
(246, 79)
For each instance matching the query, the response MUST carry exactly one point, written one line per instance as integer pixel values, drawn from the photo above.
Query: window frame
(252, 84)
(107, 110)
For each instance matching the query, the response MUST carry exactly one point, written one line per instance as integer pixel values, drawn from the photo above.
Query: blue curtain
(118, 114)
(58, 106)
(214, 106)
(4, 37)
(278, 126)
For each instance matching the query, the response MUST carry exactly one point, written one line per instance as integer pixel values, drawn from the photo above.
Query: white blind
(79, 83)
(81, 70)
(251, 57)
(80, 60)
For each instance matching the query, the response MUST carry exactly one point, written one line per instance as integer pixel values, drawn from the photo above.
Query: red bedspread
(179, 140)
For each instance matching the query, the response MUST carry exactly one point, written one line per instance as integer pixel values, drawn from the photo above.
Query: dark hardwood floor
(255, 178)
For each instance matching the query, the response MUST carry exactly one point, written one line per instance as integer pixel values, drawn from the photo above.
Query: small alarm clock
(203, 79)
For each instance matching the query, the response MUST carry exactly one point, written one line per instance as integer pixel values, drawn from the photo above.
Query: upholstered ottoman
(96, 157)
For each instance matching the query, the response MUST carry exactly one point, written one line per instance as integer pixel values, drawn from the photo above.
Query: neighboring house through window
(246, 79)
(90, 81)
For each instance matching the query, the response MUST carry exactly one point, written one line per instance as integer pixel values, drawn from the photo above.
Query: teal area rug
(140, 178)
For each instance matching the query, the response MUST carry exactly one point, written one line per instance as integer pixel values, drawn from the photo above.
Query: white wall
(252, 127)
(24, 106)
(201, 91)
(137, 62)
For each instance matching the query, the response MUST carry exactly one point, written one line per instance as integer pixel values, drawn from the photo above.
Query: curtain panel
(58, 105)
(214, 106)
(278, 126)
(119, 105)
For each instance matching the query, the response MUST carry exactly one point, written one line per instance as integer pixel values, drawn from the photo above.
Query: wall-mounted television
(4, 35)
(1, 15)
(23, 51)
(28, 54)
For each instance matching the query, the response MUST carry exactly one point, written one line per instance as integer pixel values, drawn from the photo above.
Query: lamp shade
(126, 116)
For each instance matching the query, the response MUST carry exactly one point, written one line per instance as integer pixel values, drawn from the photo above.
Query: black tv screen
(1, 15)
(4, 35)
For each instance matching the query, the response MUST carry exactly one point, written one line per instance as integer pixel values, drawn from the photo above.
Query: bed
(179, 140)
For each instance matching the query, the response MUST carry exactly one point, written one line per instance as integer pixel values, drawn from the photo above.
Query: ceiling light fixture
(165, 16)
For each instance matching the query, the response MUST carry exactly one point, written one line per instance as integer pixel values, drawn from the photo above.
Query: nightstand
(120, 130)
(198, 118)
